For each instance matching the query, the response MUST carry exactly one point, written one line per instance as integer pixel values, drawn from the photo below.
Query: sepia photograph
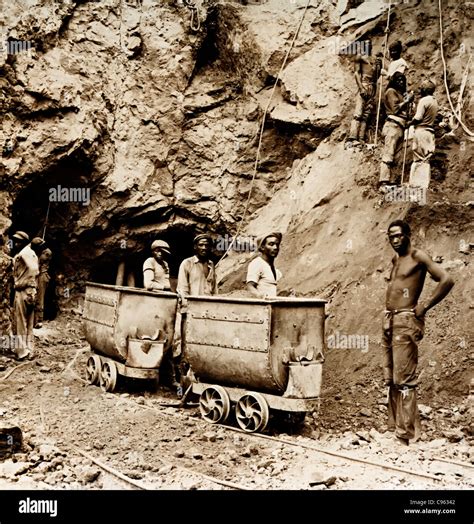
(235, 260)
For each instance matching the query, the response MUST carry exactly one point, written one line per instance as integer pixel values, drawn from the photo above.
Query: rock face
(157, 122)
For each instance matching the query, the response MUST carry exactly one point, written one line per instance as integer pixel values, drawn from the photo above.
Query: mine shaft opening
(125, 266)
(47, 208)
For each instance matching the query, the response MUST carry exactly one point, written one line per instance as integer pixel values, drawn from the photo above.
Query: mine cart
(260, 354)
(129, 330)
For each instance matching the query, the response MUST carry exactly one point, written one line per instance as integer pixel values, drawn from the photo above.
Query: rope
(262, 128)
(46, 220)
(445, 74)
(381, 79)
(195, 23)
(405, 146)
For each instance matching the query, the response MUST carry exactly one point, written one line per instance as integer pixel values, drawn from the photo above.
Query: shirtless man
(403, 325)
(366, 72)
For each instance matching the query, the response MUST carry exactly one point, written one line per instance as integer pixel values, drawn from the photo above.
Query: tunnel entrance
(180, 239)
(47, 208)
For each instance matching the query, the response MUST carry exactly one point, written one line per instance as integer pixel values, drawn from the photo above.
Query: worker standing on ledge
(366, 72)
(423, 145)
(404, 324)
(262, 276)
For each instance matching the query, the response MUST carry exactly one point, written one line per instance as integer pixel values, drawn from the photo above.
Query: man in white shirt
(423, 145)
(25, 273)
(262, 276)
(156, 275)
(397, 64)
(196, 276)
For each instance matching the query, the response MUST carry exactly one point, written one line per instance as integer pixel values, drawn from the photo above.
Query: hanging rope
(195, 22)
(457, 116)
(262, 128)
(46, 220)
(379, 103)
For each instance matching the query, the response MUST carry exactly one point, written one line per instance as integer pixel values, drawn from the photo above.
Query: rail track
(336, 455)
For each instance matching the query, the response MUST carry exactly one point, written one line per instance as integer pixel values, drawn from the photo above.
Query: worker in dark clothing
(43, 281)
(366, 71)
(396, 102)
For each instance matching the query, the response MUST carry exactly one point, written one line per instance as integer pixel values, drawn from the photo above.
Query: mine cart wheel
(252, 412)
(214, 404)
(108, 376)
(93, 368)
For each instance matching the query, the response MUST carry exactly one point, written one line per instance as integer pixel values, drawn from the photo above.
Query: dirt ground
(61, 416)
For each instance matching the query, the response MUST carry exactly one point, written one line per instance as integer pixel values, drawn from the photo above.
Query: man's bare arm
(439, 275)
(252, 288)
(357, 73)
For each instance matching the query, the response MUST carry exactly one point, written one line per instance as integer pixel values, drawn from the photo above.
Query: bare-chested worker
(366, 70)
(404, 324)
(262, 276)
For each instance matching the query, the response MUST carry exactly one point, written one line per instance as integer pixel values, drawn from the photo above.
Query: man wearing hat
(25, 272)
(19, 240)
(197, 275)
(156, 274)
(262, 276)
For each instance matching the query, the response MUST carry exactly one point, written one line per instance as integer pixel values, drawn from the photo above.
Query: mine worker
(25, 273)
(403, 326)
(423, 145)
(156, 274)
(366, 70)
(396, 102)
(20, 239)
(43, 280)
(397, 64)
(196, 276)
(262, 276)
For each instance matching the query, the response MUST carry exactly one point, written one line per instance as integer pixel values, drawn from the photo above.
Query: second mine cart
(255, 354)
